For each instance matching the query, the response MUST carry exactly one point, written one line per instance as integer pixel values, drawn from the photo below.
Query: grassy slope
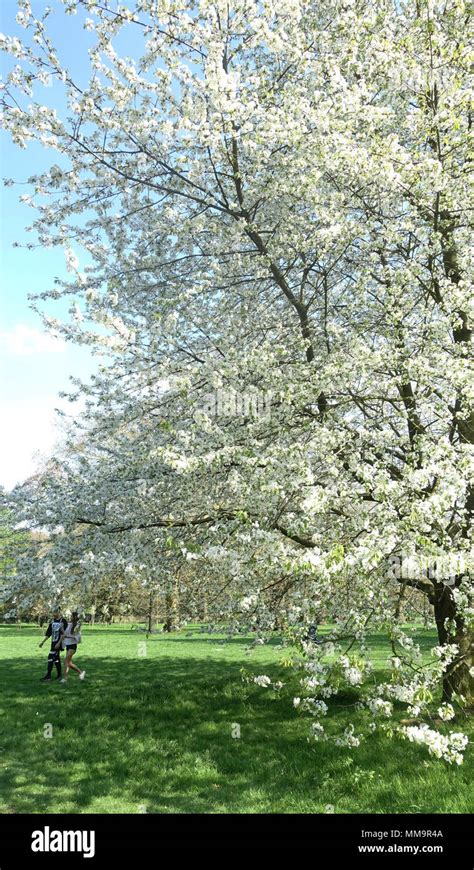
(155, 733)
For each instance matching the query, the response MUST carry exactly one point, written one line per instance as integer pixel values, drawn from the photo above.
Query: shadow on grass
(158, 733)
(154, 732)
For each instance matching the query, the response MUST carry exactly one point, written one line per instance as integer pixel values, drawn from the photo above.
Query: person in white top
(69, 639)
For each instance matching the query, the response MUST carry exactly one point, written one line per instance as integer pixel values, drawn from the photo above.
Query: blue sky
(33, 367)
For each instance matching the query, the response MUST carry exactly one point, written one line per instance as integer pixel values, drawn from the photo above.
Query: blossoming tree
(271, 203)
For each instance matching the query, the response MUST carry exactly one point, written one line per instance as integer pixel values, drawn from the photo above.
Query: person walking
(55, 626)
(70, 637)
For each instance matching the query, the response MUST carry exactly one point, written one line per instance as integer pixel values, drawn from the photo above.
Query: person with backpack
(70, 637)
(55, 626)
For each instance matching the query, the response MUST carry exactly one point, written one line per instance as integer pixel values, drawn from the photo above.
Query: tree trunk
(204, 616)
(279, 623)
(151, 607)
(171, 609)
(452, 629)
(399, 605)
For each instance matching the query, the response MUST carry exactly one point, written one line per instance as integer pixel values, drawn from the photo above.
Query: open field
(154, 734)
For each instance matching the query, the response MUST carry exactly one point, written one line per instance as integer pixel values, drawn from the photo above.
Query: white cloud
(30, 429)
(23, 340)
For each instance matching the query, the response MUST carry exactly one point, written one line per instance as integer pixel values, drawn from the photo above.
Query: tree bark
(151, 603)
(452, 629)
(204, 610)
(172, 608)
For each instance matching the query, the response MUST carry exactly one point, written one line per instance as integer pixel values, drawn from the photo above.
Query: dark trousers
(54, 659)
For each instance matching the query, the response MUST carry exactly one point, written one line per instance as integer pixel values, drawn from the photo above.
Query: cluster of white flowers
(379, 707)
(411, 651)
(414, 709)
(248, 602)
(317, 731)
(411, 693)
(445, 653)
(353, 676)
(348, 738)
(71, 260)
(318, 681)
(262, 680)
(446, 712)
(449, 747)
(318, 707)
(312, 705)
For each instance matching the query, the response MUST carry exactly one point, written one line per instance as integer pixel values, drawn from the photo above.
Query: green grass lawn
(154, 734)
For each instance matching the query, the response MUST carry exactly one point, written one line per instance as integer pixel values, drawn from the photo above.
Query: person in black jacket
(55, 627)
(312, 633)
